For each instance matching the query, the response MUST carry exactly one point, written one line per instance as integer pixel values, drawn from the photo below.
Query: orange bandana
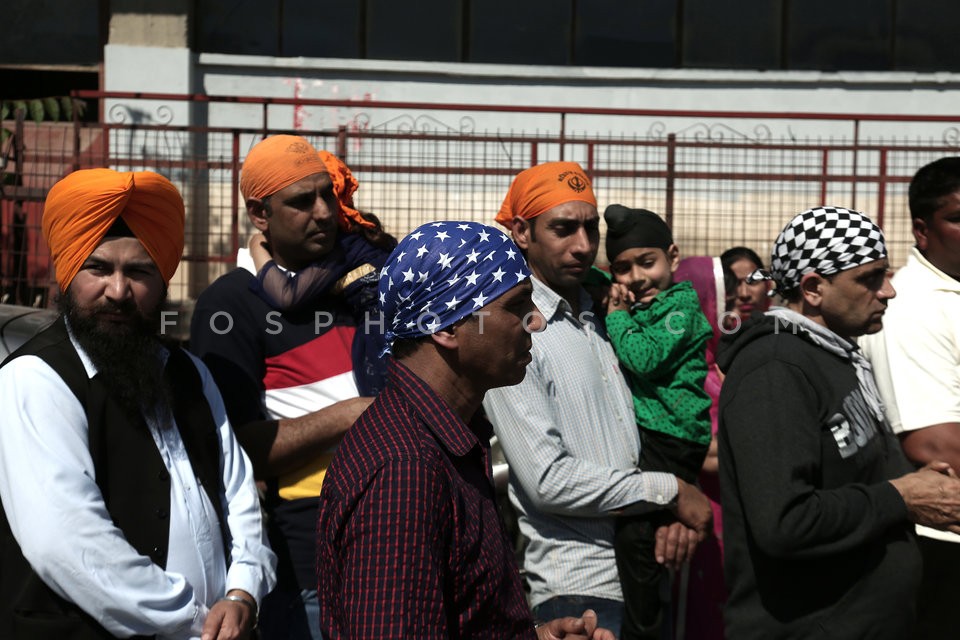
(543, 187)
(277, 162)
(344, 185)
(82, 207)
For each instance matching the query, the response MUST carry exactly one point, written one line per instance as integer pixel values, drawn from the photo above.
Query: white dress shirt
(58, 516)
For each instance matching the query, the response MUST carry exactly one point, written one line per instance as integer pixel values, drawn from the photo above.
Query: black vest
(129, 472)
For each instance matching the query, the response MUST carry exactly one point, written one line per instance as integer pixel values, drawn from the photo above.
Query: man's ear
(673, 257)
(811, 288)
(257, 212)
(446, 338)
(920, 232)
(520, 231)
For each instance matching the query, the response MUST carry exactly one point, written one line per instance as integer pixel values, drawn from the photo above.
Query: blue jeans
(290, 614)
(609, 612)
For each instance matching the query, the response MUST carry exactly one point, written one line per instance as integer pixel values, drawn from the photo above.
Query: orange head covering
(82, 207)
(344, 185)
(543, 187)
(277, 162)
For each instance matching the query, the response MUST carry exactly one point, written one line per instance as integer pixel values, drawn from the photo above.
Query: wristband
(250, 604)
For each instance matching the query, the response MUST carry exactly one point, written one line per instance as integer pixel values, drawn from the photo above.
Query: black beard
(127, 356)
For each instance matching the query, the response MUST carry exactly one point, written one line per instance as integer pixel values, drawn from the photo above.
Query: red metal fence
(720, 178)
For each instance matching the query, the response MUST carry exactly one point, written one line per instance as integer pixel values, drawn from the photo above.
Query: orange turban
(82, 207)
(277, 162)
(344, 185)
(543, 187)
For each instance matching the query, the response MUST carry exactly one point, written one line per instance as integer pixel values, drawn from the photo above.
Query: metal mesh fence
(717, 189)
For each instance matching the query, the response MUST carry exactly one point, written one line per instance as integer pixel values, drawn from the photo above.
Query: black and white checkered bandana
(826, 240)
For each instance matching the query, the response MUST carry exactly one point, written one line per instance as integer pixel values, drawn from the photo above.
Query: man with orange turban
(129, 507)
(294, 348)
(568, 429)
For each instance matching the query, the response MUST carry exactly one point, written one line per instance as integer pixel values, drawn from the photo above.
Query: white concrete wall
(177, 70)
(172, 70)
(364, 80)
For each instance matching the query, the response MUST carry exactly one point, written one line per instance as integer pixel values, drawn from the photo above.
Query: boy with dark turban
(659, 334)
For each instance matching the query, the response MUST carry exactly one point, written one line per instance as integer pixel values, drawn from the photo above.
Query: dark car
(19, 324)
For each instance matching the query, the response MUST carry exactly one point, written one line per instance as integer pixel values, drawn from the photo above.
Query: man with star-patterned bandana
(818, 499)
(409, 540)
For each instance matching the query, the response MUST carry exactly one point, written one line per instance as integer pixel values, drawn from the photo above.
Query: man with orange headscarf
(129, 508)
(568, 428)
(296, 375)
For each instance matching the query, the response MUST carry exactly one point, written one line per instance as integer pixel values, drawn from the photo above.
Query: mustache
(124, 307)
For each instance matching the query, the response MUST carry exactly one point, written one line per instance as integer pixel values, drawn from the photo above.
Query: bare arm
(276, 447)
(258, 250)
(711, 464)
(936, 442)
(932, 496)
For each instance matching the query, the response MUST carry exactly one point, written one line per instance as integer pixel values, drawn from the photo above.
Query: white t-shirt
(916, 358)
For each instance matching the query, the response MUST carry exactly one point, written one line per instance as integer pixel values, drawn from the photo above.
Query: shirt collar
(552, 303)
(458, 438)
(938, 279)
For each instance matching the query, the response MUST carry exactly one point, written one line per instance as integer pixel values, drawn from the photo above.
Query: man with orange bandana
(129, 508)
(568, 429)
(293, 377)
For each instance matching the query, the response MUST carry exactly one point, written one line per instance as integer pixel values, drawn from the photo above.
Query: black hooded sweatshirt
(817, 542)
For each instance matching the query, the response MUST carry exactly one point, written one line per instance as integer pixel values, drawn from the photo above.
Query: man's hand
(675, 544)
(230, 620)
(570, 628)
(932, 495)
(693, 509)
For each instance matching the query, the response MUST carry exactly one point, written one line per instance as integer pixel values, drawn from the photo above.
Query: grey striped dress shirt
(569, 435)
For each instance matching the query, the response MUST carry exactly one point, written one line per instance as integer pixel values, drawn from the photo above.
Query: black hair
(733, 254)
(376, 236)
(730, 281)
(931, 183)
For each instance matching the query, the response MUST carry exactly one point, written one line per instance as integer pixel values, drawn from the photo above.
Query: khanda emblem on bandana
(303, 150)
(576, 181)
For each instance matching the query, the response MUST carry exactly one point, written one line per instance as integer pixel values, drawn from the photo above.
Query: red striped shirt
(410, 542)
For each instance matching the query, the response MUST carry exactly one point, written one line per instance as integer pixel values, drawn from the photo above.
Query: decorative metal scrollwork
(407, 123)
(722, 132)
(951, 136)
(120, 113)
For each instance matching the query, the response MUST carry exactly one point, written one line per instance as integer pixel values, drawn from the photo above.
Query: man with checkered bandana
(818, 497)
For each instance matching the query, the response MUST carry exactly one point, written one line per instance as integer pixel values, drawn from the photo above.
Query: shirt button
(163, 476)
(161, 513)
(660, 499)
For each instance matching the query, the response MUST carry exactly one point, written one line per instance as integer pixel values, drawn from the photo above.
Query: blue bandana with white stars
(444, 271)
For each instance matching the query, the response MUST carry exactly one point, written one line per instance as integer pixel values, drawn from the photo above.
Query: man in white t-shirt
(916, 360)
